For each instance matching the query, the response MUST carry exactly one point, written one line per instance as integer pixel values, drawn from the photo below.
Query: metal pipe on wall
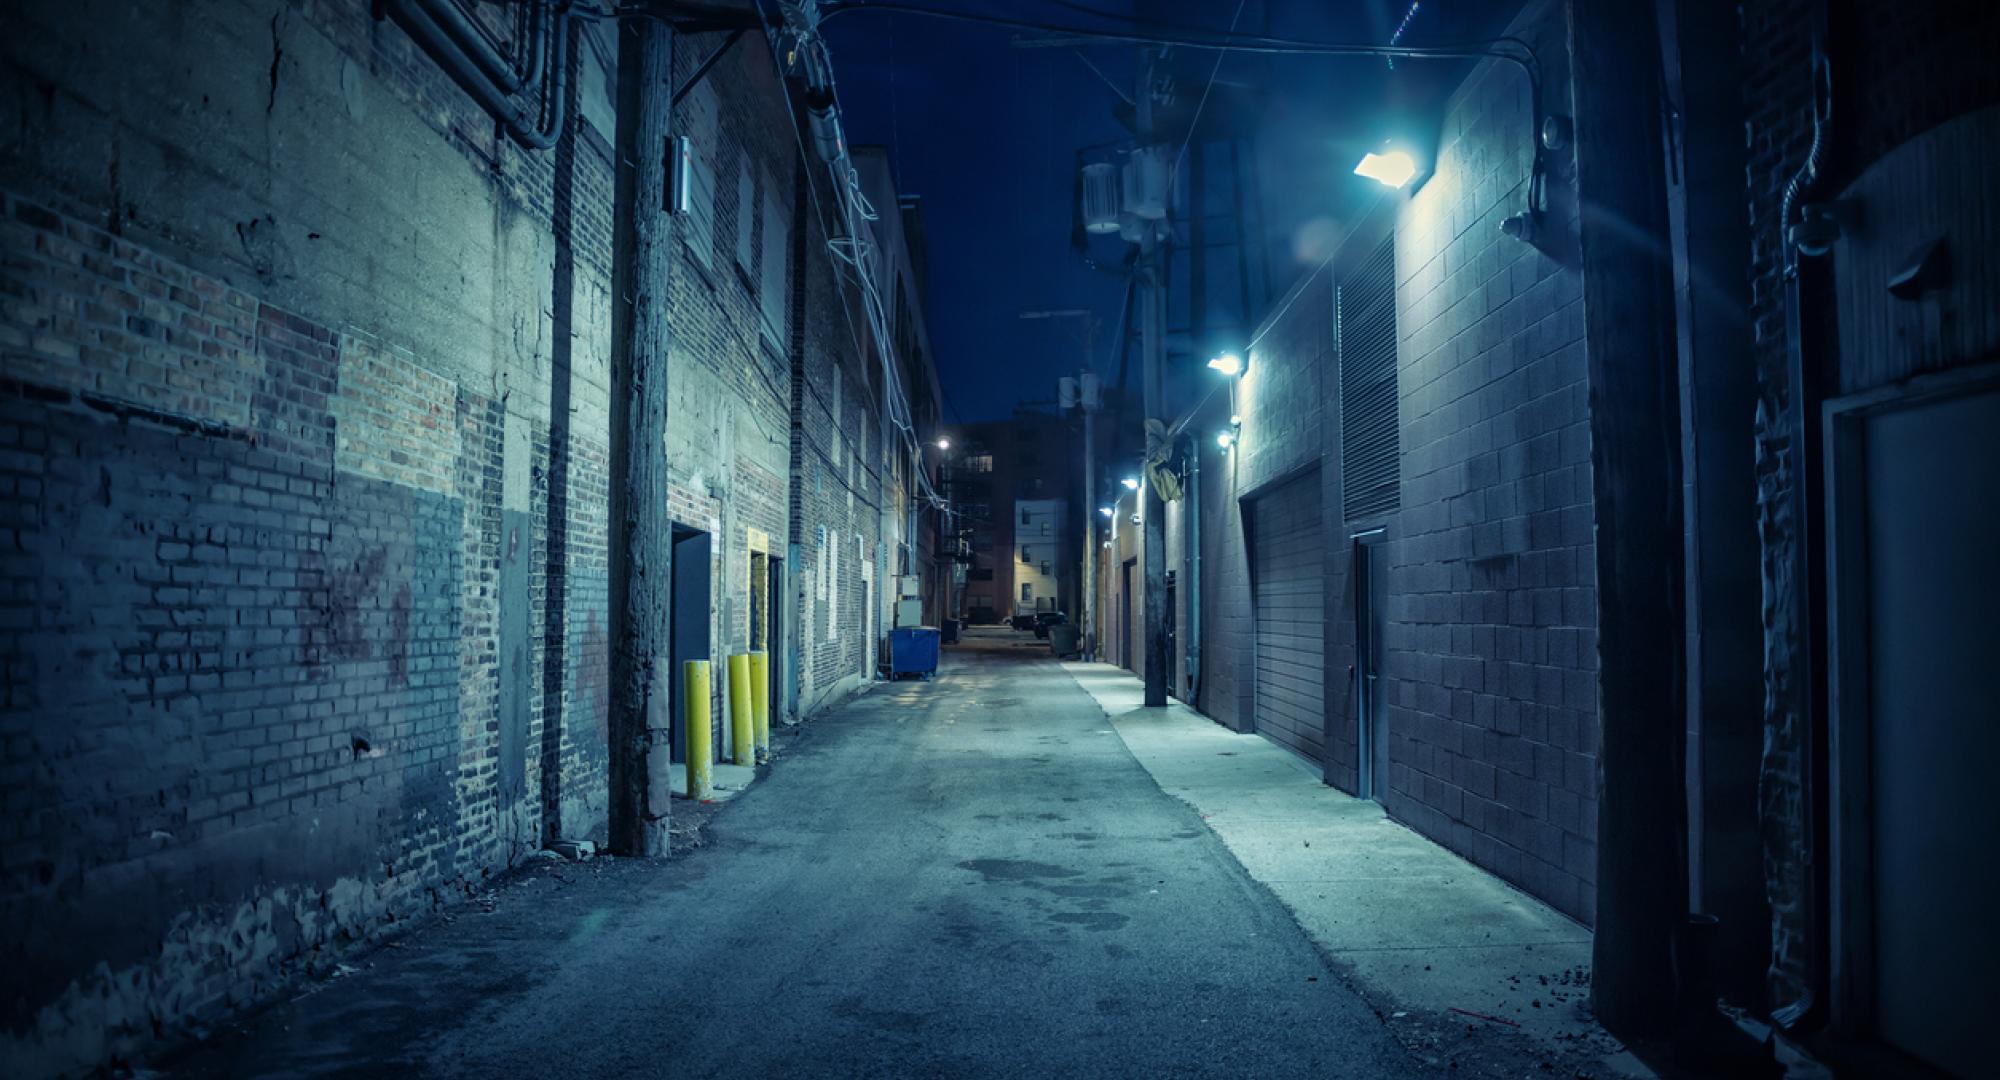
(418, 19)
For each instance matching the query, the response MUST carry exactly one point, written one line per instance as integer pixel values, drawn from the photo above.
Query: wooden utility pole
(641, 541)
(1635, 457)
(1153, 345)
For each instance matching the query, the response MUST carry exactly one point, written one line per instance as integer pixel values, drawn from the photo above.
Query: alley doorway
(1371, 605)
(1287, 574)
(689, 634)
(1915, 478)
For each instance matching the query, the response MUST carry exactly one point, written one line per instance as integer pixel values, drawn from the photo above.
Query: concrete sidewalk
(1433, 942)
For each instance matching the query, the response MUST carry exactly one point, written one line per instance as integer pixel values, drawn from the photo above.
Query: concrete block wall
(1492, 644)
(284, 468)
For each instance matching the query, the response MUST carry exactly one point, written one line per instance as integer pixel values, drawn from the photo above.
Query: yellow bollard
(699, 753)
(742, 729)
(760, 701)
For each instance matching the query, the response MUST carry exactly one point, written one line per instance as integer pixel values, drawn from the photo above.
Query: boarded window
(773, 292)
(746, 216)
(1369, 438)
(702, 124)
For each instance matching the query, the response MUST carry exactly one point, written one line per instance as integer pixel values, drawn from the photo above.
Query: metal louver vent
(1370, 439)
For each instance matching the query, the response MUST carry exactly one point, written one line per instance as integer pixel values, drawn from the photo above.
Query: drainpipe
(419, 19)
(1194, 570)
(1802, 417)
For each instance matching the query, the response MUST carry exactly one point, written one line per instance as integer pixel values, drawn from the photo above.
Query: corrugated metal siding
(1288, 555)
(1369, 436)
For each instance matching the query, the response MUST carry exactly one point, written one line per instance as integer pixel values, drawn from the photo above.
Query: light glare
(1393, 168)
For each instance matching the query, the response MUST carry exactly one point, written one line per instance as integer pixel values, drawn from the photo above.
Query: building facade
(308, 372)
(1399, 560)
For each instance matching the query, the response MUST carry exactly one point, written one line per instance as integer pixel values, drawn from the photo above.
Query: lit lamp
(1131, 483)
(1107, 511)
(1390, 168)
(1228, 364)
(1225, 439)
(944, 444)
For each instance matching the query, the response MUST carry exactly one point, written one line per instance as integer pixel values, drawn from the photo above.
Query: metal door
(1371, 735)
(1288, 558)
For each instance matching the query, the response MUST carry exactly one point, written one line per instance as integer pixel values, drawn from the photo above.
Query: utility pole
(1636, 471)
(641, 552)
(1088, 400)
(1152, 330)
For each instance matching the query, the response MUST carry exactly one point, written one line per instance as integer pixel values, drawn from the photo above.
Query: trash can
(1065, 639)
(950, 634)
(913, 650)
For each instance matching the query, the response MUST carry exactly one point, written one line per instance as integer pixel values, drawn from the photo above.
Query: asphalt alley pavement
(967, 877)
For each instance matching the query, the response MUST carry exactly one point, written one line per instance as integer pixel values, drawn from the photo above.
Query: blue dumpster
(913, 650)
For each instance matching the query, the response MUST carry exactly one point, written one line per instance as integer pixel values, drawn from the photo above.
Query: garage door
(1287, 571)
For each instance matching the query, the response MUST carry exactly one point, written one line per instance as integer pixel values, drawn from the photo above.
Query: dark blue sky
(987, 134)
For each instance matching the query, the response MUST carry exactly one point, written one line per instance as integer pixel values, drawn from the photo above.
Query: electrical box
(907, 586)
(909, 613)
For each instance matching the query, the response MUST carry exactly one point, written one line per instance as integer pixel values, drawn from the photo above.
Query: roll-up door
(1287, 571)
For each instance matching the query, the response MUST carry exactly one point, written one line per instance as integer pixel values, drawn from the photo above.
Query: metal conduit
(437, 27)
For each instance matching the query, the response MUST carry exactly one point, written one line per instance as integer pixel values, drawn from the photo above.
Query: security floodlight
(1229, 364)
(1224, 439)
(1235, 420)
(944, 444)
(1390, 168)
(1106, 511)
(1131, 483)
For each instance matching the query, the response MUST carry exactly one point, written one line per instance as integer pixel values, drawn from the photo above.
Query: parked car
(1046, 619)
(1022, 622)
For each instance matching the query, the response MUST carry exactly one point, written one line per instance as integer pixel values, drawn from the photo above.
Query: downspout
(1194, 571)
(530, 132)
(1788, 1009)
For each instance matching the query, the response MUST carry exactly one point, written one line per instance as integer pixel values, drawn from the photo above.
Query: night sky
(986, 133)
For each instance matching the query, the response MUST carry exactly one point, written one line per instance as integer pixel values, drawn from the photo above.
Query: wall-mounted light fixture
(1131, 483)
(1229, 364)
(944, 444)
(1225, 439)
(1107, 511)
(1390, 168)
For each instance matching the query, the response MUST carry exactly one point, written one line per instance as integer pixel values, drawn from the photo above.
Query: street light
(944, 444)
(1390, 168)
(1229, 364)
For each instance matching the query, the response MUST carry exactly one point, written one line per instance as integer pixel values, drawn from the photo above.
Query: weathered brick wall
(299, 425)
(1492, 644)
(729, 440)
(837, 490)
(1899, 70)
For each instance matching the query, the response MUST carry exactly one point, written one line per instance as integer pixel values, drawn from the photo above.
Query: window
(746, 216)
(702, 123)
(774, 282)
(1045, 528)
(1027, 591)
(1025, 557)
(981, 463)
(1024, 515)
(1045, 570)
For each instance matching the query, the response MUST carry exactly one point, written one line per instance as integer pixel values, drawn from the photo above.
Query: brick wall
(282, 371)
(730, 383)
(1899, 70)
